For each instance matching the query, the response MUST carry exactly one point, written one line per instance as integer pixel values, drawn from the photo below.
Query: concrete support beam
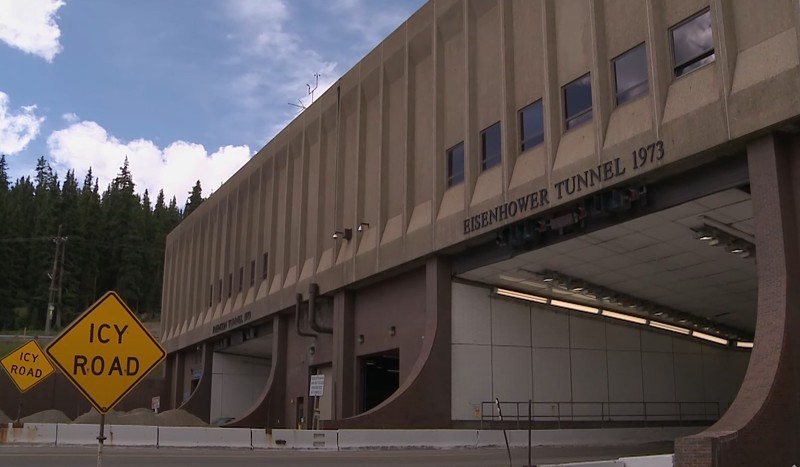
(759, 427)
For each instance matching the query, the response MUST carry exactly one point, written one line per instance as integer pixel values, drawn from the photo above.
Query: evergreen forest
(63, 244)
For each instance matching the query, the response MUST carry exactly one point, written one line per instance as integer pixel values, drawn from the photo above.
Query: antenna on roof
(310, 92)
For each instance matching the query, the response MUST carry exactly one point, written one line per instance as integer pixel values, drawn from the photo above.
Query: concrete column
(175, 372)
(199, 403)
(343, 355)
(760, 426)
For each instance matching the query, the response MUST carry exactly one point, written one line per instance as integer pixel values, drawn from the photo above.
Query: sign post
(315, 390)
(27, 366)
(105, 353)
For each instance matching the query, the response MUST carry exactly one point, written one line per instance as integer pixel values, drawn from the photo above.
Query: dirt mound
(179, 418)
(47, 416)
(92, 417)
(4, 418)
(143, 417)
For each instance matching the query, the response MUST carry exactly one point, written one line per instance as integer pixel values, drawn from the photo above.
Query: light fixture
(710, 338)
(392, 331)
(669, 327)
(520, 295)
(362, 227)
(744, 345)
(347, 234)
(624, 317)
(361, 338)
(574, 306)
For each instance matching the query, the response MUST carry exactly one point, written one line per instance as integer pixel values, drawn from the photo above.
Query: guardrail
(602, 412)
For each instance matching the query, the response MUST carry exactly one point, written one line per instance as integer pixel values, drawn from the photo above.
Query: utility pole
(59, 241)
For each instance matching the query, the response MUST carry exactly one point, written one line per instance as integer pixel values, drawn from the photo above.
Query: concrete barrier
(185, 437)
(40, 434)
(77, 435)
(131, 435)
(615, 463)
(584, 437)
(396, 439)
(296, 439)
(665, 460)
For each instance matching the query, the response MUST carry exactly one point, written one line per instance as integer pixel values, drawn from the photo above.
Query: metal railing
(600, 412)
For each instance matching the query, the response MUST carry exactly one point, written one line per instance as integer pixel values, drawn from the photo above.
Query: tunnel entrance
(380, 377)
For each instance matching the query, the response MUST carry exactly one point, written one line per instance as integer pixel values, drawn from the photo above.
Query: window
(264, 263)
(578, 101)
(230, 284)
(210, 295)
(692, 43)
(630, 75)
(252, 273)
(531, 126)
(219, 291)
(490, 147)
(241, 278)
(455, 165)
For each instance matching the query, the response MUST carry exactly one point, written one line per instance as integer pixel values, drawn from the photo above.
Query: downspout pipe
(298, 316)
(313, 294)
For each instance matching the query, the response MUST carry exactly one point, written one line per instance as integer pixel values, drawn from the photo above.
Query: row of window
(264, 264)
(692, 47)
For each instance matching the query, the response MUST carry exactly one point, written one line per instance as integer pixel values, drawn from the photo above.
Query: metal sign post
(100, 439)
(315, 390)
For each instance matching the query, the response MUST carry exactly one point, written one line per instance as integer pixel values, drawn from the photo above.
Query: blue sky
(186, 89)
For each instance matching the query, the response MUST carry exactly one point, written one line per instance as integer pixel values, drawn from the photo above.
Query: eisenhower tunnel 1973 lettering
(641, 157)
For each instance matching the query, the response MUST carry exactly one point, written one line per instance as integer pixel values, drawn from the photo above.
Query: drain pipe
(313, 293)
(297, 316)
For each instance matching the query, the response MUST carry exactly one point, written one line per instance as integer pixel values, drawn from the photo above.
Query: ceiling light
(509, 278)
(624, 317)
(574, 306)
(669, 327)
(520, 295)
(362, 226)
(710, 338)
(744, 345)
(347, 234)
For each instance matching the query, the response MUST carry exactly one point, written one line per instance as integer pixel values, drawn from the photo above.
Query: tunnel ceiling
(658, 258)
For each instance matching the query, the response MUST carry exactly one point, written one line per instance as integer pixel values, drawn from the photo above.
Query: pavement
(127, 457)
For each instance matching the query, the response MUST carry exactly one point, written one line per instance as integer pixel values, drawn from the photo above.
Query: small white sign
(317, 386)
(155, 403)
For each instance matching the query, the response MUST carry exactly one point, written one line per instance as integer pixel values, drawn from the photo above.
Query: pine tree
(195, 198)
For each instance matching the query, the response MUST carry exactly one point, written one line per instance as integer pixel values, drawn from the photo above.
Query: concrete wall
(514, 351)
(236, 383)
(371, 149)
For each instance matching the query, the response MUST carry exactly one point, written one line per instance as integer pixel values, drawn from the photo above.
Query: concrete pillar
(199, 403)
(175, 372)
(343, 355)
(760, 427)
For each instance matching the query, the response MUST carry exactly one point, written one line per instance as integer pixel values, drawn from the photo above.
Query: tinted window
(455, 165)
(531, 125)
(578, 101)
(264, 262)
(219, 291)
(490, 147)
(252, 272)
(692, 43)
(630, 74)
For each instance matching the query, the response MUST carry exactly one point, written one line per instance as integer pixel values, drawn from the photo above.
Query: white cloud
(175, 168)
(281, 65)
(365, 21)
(17, 129)
(71, 117)
(30, 26)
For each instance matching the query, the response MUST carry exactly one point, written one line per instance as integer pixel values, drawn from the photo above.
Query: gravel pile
(4, 419)
(142, 417)
(47, 416)
(92, 417)
(179, 418)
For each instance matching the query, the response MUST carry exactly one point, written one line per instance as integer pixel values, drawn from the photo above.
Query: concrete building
(587, 204)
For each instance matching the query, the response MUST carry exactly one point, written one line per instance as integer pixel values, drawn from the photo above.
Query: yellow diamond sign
(27, 366)
(105, 352)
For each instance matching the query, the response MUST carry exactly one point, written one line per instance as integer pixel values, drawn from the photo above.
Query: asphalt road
(128, 457)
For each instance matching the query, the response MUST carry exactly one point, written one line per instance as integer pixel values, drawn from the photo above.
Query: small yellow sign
(27, 366)
(106, 352)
